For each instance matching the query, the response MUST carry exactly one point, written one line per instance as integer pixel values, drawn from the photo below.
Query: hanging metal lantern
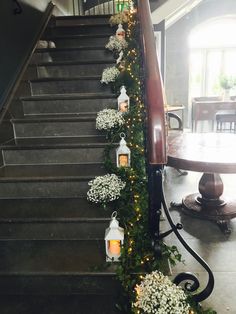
(123, 153)
(123, 100)
(120, 33)
(114, 239)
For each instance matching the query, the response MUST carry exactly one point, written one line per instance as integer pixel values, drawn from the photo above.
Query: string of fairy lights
(136, 254)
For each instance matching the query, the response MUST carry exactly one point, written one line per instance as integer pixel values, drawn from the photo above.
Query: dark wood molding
(10, 91)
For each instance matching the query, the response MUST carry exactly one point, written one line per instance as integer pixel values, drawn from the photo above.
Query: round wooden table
(212, 154)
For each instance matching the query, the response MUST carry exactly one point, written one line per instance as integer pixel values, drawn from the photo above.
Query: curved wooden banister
(156, 137)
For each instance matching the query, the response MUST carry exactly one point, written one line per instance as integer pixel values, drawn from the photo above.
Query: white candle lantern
(123, 100)
(120, 32)
(114, 239)
(123, 153)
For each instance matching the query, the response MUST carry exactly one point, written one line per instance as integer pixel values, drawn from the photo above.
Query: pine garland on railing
(137, 254)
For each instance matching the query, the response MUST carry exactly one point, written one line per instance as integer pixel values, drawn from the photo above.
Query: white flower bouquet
(110, 74)
(158, 295)
(105, 188)
(108, 119)
(115, 44)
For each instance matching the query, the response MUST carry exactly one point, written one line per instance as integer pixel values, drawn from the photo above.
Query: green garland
(137, 254)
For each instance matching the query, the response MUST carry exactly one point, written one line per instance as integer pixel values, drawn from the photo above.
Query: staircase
(51, 238)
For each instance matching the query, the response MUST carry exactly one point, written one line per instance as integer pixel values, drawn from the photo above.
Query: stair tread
(49, 209)
(69, 96)
(52, 257)
(79, 36)
(69, 62)
(83, 47)
(73, 17)
(75, 78)
(50, 172)
(53, 118)
(63, 142)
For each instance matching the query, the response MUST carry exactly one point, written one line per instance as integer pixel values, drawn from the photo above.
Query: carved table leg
(209, 204)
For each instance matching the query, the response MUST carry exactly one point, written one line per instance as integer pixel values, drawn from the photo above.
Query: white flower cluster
(158, 295)
(110, 74)
(105, 188)
(108, 119)
(115, 44)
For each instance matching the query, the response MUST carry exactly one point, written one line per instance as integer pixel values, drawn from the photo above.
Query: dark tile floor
(218, 250)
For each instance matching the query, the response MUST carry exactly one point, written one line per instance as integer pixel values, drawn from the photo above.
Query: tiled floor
(218, 250)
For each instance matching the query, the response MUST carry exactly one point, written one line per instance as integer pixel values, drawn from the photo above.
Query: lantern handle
(122, 135)
(114, 214)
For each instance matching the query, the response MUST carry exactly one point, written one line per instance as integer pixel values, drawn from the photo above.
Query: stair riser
(80, 42)
(67, 87)
(54, 156)
(58, 285)
(51, 129)
(53, 231)
(65, 70)
(50, 209)
(74, 55)
(51, 256)
(60, 304)
(43, 189)
(67, 106)
(77, 30)
(82, 20)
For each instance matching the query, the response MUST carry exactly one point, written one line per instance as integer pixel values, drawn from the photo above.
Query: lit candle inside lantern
(123, 106)
(123, 100)
(114, 247)
(123, 160)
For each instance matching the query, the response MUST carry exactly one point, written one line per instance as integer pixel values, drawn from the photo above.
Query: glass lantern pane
(114, 247)
(123, 160)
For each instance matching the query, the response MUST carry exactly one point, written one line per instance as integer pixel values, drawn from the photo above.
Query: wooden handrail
(9, 93)
(153, 89)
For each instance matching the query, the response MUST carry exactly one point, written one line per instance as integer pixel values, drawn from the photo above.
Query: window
(212, 54)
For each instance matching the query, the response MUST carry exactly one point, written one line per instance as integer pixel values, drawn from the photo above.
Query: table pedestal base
(220, 214)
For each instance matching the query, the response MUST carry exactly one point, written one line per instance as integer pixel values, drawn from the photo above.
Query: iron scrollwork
(192, 283)
(18, 8)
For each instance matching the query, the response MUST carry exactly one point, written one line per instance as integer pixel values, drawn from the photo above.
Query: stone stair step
(68, 85)
(40, 256)
(81, 20)
(74, 41)
(68, 104)
(70, 304)
(44, 187)
(50, 172)
(62, 142)
(55, 127)
(49, 209)
(54, 155)
(66, 69)
(92, 29)
(88, 53)
(67, 283)
(54, 229)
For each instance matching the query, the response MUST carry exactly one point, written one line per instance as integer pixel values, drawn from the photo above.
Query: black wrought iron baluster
(187, 276)
(155, 189)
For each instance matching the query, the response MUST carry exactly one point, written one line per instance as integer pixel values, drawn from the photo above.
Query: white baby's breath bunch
(119, 18)
(108, 119)
(105, 188)
(115, 44)
(158, 295)
(110, 74)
